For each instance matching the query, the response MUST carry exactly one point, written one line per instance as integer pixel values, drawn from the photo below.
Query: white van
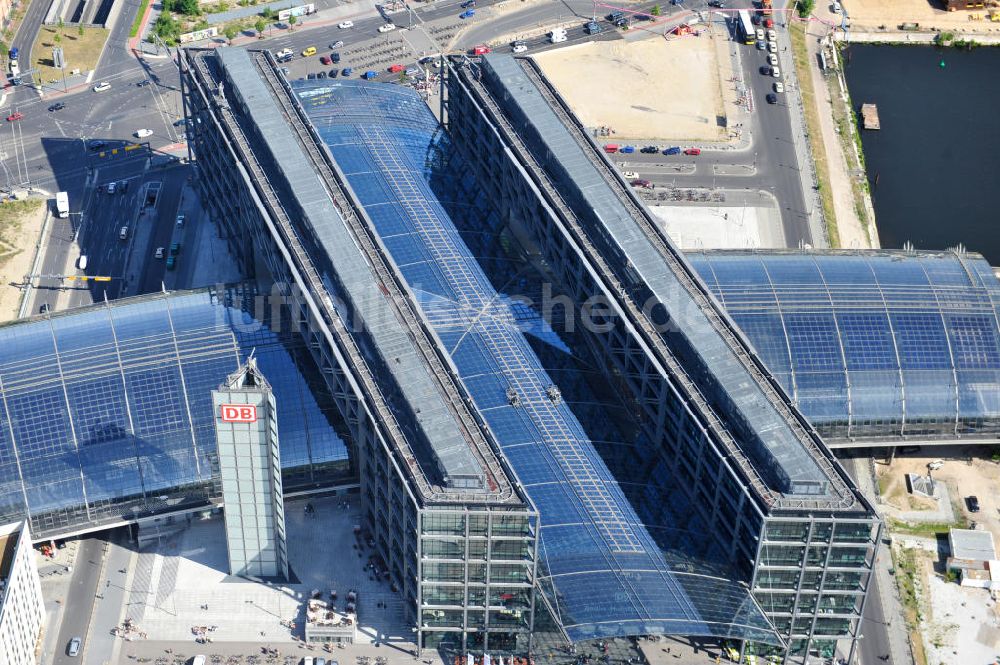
(62, 205)
(82, 263)
(123, 234)
(198, 660)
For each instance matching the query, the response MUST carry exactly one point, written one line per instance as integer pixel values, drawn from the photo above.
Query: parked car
(58, 106)
(772, 47)
(412, 71)
(334, 73)
(171, 262)
(482, 49)
(611, 148)
(775, 72)
(102, 86)
(468, 13)
(518, 47)
(395, 69)
(311, 76)
(627, 149)
(718, 4)
(672, 151)
(693, 152)
(325, 60)
(772, 36)
(73, 648)
(772, 59)
(973, 503)
(779, 86)
(16, 115)
(629, 175)
(593, 28)
(321, 75)
(159, 253)
(640, 182)
(347, 71)
(387, 27)
(335, 57)
(760, 34)
(336, 45)
(650, 150)
(143, 133)
(765, 70)
(761, 45)
(344, 25)
(836, 7)
(771, 98)
(468, 3)
(369, 75)
(768, 23)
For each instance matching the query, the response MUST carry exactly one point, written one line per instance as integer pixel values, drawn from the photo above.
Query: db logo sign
(239, 413)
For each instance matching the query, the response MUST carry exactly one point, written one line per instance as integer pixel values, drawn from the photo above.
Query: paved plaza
(181, 585)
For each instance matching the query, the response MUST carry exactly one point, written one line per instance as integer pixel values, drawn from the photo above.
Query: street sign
(57, 58)
(238, 413)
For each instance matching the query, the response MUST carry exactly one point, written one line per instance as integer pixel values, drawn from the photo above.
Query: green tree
(230, 32)
(292, 20)
(187, 7)
(167, 28)
(656, 11)
(4, 50)
(60, 24)
(806, 7)
(267, 13)
(260, 26)
(79, 30)
(57, 38)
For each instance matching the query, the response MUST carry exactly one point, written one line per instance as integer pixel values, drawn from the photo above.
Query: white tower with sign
(246, 429)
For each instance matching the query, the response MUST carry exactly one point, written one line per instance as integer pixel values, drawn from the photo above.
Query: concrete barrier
(52, 16)
(116, 9)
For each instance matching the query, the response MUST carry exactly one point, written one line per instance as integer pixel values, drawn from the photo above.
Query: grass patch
(908, 565)
(80, 51)
(12, 217)
(16, 17)
(137, 21)
(797, 30)
(924, 529)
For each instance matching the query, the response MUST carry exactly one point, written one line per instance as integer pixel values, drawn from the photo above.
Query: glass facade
(872, 345)
(600, 568)
(106, 411)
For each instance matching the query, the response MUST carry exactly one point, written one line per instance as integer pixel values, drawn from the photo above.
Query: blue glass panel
(921, 341)
(867, 339)
(814, 342)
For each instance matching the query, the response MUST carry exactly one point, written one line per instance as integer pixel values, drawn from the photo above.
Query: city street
(80, 599)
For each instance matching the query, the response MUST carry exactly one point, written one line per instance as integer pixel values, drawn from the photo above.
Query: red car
(694, 152)
(640, 182)
(768, 23)
(326, 60)
(611, 148)
(395, 69)
(16, 115)
(481, 50)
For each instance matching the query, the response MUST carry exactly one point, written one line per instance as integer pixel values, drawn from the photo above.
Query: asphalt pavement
(80, 599)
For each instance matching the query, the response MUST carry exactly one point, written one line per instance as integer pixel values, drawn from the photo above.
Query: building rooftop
(972, 544)
(450, 448)
(873, 345)
(764, 429)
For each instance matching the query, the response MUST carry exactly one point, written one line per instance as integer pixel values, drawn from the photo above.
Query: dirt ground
(18, 237)
(930, 14)
(967, 470)
(650, 89)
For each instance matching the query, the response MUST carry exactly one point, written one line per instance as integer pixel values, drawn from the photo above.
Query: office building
(246, 430)
(22, 611)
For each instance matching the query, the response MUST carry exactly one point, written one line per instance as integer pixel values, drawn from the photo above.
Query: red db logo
(239, 413)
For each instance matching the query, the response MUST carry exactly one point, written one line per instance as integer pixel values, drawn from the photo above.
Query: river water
(934, 167)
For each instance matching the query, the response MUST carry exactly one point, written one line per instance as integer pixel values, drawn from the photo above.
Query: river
(934, 167)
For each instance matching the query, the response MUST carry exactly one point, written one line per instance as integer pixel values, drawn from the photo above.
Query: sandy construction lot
(930, 14)
(644, 90)
(20, 224)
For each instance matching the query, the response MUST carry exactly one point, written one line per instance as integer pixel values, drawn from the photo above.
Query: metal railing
(762, 378)
(372, 394)
(406, 310)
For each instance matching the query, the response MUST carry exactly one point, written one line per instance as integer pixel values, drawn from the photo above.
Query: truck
(15, 70)
(14, 52)
(62, 205)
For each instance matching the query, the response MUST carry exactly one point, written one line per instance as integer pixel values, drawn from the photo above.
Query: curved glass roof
(873, 344)
(106, 411)
(599, 566)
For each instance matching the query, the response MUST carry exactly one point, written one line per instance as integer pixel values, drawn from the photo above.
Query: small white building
(22, 611)
(974, 557)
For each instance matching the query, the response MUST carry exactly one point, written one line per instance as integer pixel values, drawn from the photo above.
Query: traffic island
(81, 50)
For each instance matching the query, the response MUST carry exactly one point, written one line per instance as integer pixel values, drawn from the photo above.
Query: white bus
(62, 205)
(744, 27)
